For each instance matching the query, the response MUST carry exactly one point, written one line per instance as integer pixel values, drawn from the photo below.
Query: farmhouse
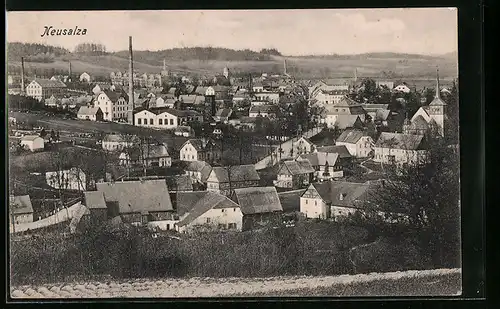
(294, 174)
(224, 180)
(206, 210)
(146, 155)
(32, 142)
(70, 179)
(260, 206)
(358, 143)
(326, 165)
(400, 148)
(41, 89)
(200, 150)
(90, 113)
(20, 209)
(137, 201)
(334, 199)
(198, 171)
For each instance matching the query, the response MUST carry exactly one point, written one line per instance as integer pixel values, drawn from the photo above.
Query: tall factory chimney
(69, 69)
(22, 75)
(130, 108)
(284, 66)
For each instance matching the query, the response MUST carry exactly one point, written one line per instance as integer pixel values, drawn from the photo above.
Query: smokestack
(130, 115)
(284, 65)
(69, 70)
(164, 65)
(22, 75)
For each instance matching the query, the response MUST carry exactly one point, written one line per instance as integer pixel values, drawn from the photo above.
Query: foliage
(270, 51)
(33, 51)
(92, 49)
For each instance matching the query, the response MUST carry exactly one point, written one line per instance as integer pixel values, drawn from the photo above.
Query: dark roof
(382, 114)
(375, 107)
(211, 200)
(399, 141)
(263, 108)
(334, 92)
(21, 205)
(187, 200)
(297, 167)
(290, 200)
(179, 183)
(437, 102)
(237, 173)
(137, 196)
(419, 123)
(200, 144)
(341, 150)
(258, 200)
(346, 102)
(115, 95)
(86, 110)
(48, 83)
(192, 99)
(320, 158)
(350, 136)
(341, 193)
(120, 138)
(200, 166)
(94, 200)
(223, 112)
(347, 121)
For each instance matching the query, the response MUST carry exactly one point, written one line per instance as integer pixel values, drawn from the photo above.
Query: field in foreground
(438, 282)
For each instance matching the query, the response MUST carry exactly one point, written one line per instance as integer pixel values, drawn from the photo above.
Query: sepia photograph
(233, 153)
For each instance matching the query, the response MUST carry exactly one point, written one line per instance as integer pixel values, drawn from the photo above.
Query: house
(258, 87)
(294, 174)
(200, 150)
(198, 171)
(85, 77)
(165, 118)
(372, 109)
(90, 113)
(98, 88)
(95, 203)
(268, 111)
(179, 183)
(69, 179)
(303, 146)
(20, 209)
(185, 131)
(290, 200)
(383, 117)
(165, 100)
(247, 123)
(206, 211)
(358, 142)
(191, 99)
(343, 113)
(326, 165)
(402, 88)
(329, 97)
(41, 89)
(388, 84)
(345, 157)
(334, 199)
(267, 96)
(117, 142)
(224, 179)
(399, 148)
(223, 114)
(260, 206)
(114, 105)
(137, 201)
(146, 155)
(32, 142)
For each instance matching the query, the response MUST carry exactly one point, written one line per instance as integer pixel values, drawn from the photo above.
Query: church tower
(437, 108)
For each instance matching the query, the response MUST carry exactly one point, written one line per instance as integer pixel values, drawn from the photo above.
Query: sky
(427, 31)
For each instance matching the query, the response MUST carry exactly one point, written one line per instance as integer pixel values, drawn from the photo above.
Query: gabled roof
(382, 114)
(399, 141)
(94, 200)
(258, 200)
(115, 95)
(437, 102)
(29, 137)
(346, 102)
(342, 193)
(320, 158)
(192, 99)
(201, 90)
(21, 205)
(350, 136)
(86, 110)
(290, 200)
(118, 138)
(49, 83)
(375, 107)
(340, 150)
(187, 200)
(263, 109)
(200, 166)
(298, 167)
(201, 144)
(179, 183)
(419, 123)
(223, 112)
(347, 121)
(210, 200)
(137, 196)
(236, 173)
(150, 151)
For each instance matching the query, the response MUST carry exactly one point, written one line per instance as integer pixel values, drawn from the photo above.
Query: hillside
(209, 61)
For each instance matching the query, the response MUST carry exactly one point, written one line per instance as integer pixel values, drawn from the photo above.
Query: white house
(165, 118)
(270, 97)
(399, 148)
(402, 88)
(117, 142)
(85, 77)
(198, 171)
(303, 146)
(32, 142)
(200, 150)
(344, 112)
(44, 88)
(146, 155)
(294, 174)
(326, 97)
(71, 179)
(114, 105)
(98, 88)
(334, 199)
(268, 111)
(326, 165)
(90, 113)
(357, 142)
(207, 211)
(224, 179)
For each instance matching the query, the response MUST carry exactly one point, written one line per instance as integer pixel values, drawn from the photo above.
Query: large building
(397, 148)
(42, 89)
(113, 104)
(165, 118)
(343, 111)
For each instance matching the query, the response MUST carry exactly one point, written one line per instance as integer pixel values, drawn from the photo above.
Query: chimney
(130, 115)
(69, 70)
(164, 65)
(284, 66)
(22, 75)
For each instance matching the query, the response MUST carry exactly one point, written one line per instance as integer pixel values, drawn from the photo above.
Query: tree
(428, 193)
(370, 89)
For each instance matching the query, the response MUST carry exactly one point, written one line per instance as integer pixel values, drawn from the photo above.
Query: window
(138, 120)
(151, 121)
(234, 209)
(171, 122)
(307, 201)
(222, 210)
(231, 226)
(160, 121)
(315, 203)
(208, 220)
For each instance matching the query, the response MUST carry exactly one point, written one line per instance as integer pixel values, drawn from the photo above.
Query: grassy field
(441, 282)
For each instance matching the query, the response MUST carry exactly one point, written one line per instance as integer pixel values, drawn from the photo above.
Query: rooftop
(258, 200)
